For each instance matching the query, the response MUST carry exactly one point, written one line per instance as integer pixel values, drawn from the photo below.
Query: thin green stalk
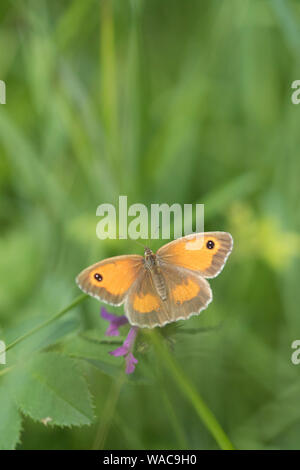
(75, 302)
(177, 427)
(108, 412)
(191, 394)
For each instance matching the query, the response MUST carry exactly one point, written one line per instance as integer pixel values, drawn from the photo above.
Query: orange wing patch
(145, 303)
(185, 291)
(111, 279)
(111, 276)
(204, 252)
(193, 254)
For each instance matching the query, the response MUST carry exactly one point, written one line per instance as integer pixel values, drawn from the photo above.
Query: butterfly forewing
(111, 279)
(205, 252)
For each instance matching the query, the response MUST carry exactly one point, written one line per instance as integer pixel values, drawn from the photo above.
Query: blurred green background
(163, 101)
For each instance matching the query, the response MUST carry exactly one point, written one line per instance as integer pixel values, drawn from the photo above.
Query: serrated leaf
(10, 419)
(50, 386)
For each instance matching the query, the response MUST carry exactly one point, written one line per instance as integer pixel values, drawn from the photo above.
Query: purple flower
(126, 351)
(114, 322)
(113, 330)
(130, 363)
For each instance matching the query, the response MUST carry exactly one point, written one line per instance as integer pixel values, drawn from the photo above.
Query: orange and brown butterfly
(160, 288)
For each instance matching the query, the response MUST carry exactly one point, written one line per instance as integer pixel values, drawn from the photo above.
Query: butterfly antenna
(149, 239)
(140, 244)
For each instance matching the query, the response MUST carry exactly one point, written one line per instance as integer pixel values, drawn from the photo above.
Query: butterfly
(162, 287)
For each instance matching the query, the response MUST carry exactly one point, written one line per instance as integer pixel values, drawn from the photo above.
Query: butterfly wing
(184, 263)
(204, 252)
(111, 279)
(187, 294)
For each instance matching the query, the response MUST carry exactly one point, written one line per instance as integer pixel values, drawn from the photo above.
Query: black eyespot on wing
(210, 244)
(98, 277)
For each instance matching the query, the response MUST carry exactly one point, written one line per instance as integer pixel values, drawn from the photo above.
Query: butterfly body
(159, 288)
(152, 263)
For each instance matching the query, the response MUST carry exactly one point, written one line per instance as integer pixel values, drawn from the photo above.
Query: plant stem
(191, 394)
(75, 302)
(108, 412)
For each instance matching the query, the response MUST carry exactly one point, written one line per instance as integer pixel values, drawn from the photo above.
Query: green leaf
(10, 419)
(50, 386)
(96, 353)
(98, 335)
(41, 339)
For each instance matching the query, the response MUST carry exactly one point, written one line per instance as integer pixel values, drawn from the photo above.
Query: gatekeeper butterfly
(164, 287)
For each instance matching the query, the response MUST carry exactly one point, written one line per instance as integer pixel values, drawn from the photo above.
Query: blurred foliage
(164, 102)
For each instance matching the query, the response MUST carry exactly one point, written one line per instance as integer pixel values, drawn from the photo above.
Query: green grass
(163, 102)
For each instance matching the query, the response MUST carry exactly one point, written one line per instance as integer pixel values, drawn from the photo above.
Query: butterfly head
(149, 256)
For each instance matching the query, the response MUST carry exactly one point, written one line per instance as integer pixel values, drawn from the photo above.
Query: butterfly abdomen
(157, 277)
(159, 283)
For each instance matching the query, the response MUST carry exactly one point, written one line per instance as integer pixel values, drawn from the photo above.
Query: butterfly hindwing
(187, 294)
